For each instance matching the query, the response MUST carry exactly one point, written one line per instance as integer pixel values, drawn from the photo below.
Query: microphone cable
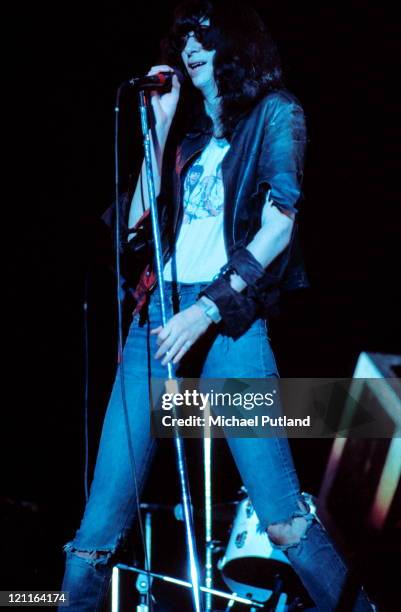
(86, 386)
(120, 356)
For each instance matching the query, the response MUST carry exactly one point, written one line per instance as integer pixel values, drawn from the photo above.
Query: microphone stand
(171, 383)
(207, 465)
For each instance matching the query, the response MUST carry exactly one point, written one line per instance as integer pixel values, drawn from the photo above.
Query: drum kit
(251, 567)
(257, 574)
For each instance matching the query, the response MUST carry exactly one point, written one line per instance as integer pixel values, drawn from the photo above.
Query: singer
(228, 151)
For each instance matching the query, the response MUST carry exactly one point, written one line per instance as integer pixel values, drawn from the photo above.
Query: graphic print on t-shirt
(203, 195)
(200, 249)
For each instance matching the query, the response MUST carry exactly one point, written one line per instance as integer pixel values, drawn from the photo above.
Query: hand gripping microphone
(160, 80)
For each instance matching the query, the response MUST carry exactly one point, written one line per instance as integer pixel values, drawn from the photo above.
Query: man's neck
(213, 108)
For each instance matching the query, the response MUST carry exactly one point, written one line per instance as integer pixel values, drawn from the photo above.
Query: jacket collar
(195, 140)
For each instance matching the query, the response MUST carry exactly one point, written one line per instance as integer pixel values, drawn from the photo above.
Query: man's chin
(199, 82)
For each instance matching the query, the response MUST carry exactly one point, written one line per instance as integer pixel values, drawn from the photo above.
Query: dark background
(341, 62)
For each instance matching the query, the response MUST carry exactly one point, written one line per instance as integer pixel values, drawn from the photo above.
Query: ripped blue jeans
(265, 465)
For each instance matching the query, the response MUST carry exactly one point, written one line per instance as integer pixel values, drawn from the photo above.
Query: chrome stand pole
(207, 457)
(188, 585)
(143, 581)
(115, 590)
(171, 383)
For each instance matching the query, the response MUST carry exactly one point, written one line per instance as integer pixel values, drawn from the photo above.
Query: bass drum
(251, 567)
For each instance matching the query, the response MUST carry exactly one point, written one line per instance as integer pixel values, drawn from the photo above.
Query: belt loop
(175, 296)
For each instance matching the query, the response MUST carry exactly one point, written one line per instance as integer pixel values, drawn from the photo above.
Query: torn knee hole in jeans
(96, 556)
(93, 557)
(285, 534)
(90, 556)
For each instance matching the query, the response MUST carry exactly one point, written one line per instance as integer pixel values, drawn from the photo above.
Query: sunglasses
(200, 33)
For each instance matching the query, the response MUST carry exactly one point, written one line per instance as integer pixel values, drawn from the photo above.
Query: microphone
(160, 80)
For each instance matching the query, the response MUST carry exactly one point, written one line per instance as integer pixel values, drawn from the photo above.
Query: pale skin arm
(184, 328)
(164, 108)
(269, 241)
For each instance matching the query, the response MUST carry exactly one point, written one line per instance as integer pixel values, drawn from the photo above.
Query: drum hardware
(278, 596)
(172, 580)
(258, 575)
(222, 512)
(145, 575)
(254, 571)
(144, 581)
(276, 603)
(252, 568)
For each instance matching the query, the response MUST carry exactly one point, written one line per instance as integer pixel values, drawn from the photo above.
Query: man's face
(194, 176)
(197, 60)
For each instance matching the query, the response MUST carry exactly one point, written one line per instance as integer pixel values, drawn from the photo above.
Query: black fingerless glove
(246, 266)
(238, 310)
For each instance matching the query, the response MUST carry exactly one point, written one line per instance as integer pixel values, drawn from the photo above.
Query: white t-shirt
(200, 250)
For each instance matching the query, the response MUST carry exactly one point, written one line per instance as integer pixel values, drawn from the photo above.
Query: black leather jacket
(266, 153)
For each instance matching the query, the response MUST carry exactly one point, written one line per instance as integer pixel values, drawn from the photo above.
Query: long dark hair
(246, 64)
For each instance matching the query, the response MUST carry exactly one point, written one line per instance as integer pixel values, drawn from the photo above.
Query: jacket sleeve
(280, 166)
